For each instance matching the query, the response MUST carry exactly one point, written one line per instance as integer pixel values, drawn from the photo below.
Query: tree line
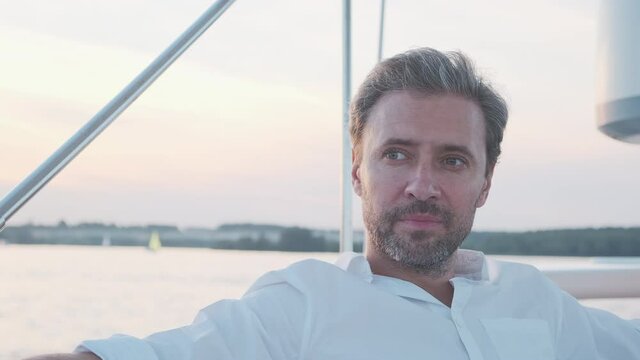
(562, 242)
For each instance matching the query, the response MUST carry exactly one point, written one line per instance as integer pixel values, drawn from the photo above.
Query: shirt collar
(471, 265)
(468, 264)
(355, 264)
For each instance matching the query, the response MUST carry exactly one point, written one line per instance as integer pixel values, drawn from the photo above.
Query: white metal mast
(381, 34)
(346, 228)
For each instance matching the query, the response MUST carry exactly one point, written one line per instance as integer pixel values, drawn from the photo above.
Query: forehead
(425, 120)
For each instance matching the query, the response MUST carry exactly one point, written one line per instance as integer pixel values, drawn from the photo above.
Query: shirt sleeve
(264, 324)
(593, 333)
(615, 338)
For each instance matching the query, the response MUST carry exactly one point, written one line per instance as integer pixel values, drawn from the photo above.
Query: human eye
(394, 154)
(454, 162)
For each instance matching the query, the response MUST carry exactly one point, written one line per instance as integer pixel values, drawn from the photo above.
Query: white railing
(589, 278)
(622, 282)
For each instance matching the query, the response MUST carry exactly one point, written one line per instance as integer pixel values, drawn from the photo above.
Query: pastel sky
(246, 126)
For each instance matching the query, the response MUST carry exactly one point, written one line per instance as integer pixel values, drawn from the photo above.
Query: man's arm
(77, 356)
(607, 335)
(266, 324)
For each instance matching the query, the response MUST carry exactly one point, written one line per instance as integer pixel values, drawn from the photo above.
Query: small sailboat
(154, 242)
(106, 240)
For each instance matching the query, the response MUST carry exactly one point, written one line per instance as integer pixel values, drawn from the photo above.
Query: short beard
(422, 251)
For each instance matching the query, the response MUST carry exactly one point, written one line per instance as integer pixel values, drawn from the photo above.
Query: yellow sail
(154, 242)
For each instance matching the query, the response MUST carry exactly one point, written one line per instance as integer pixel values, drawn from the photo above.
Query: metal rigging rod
(15, 199)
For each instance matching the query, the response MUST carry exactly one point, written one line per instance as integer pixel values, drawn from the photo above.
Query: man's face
(421, 172)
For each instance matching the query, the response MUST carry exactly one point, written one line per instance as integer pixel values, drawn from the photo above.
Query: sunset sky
(245, 127)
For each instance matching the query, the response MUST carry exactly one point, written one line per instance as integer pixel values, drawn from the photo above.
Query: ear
(355, 172)
(486, 186)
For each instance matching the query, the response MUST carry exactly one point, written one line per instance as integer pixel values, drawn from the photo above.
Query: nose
(423, 185)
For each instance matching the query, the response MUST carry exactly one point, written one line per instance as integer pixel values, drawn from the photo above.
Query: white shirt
(315, 310)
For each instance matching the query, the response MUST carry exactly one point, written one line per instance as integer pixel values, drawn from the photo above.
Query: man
(426, 133)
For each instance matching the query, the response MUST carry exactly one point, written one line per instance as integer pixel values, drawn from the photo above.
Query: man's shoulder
(504, 272)
(309, 268)
(308, 264)
(502, 264)
(300, 275)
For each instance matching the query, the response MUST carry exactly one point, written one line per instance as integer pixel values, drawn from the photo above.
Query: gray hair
(432, 72)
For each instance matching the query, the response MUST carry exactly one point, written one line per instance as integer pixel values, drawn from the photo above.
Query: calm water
(52, 297)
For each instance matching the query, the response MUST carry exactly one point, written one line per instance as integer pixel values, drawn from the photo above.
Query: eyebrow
(399, 141)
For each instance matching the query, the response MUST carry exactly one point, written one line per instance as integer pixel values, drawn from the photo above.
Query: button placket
(461, 295)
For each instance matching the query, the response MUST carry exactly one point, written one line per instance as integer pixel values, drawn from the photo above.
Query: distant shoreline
(247, 236)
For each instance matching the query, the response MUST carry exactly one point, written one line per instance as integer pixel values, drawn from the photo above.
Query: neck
(435, 283)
